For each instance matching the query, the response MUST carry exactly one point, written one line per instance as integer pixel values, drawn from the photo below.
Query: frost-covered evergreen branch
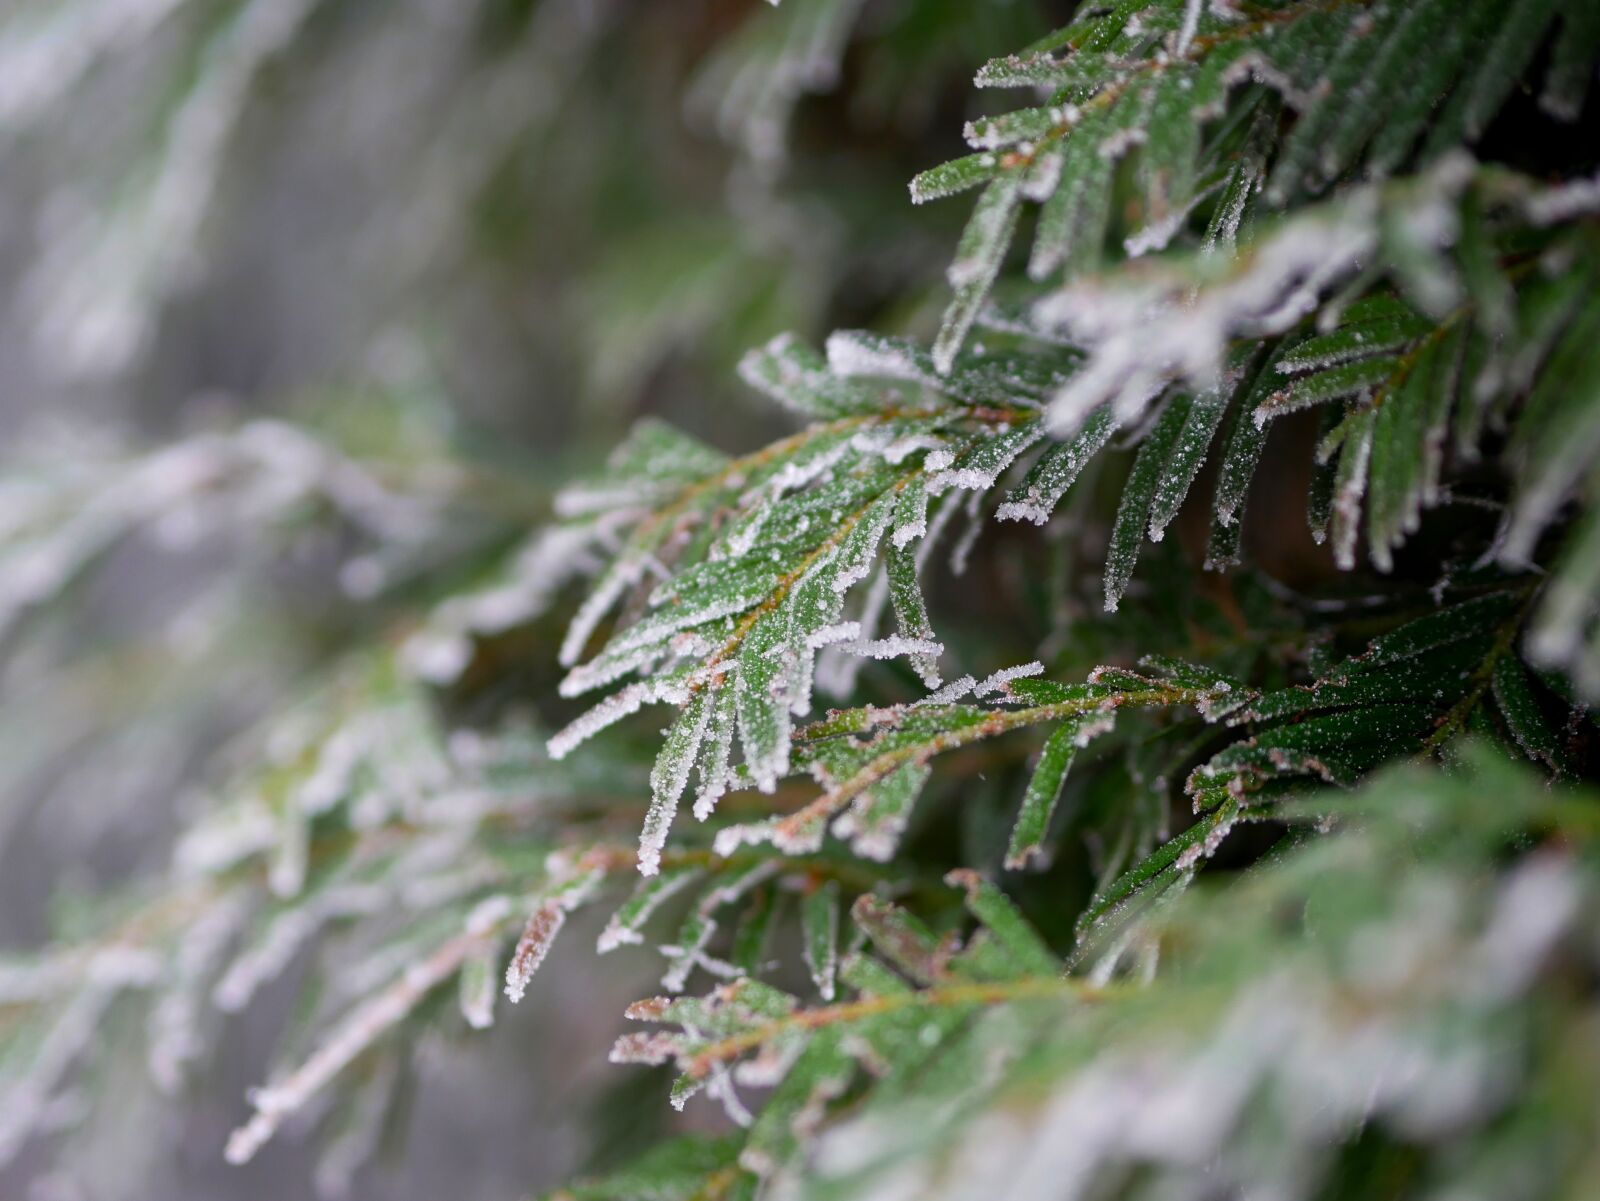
(1272, 878)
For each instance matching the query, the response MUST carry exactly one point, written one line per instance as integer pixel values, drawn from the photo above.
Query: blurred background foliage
(309, 306)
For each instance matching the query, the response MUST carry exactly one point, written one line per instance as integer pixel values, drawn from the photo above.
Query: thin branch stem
(706, 1058)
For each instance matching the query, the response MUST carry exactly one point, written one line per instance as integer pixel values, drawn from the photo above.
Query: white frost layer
(896, 646)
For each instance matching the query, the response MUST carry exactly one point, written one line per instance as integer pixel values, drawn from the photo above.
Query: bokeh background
(463, 242)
